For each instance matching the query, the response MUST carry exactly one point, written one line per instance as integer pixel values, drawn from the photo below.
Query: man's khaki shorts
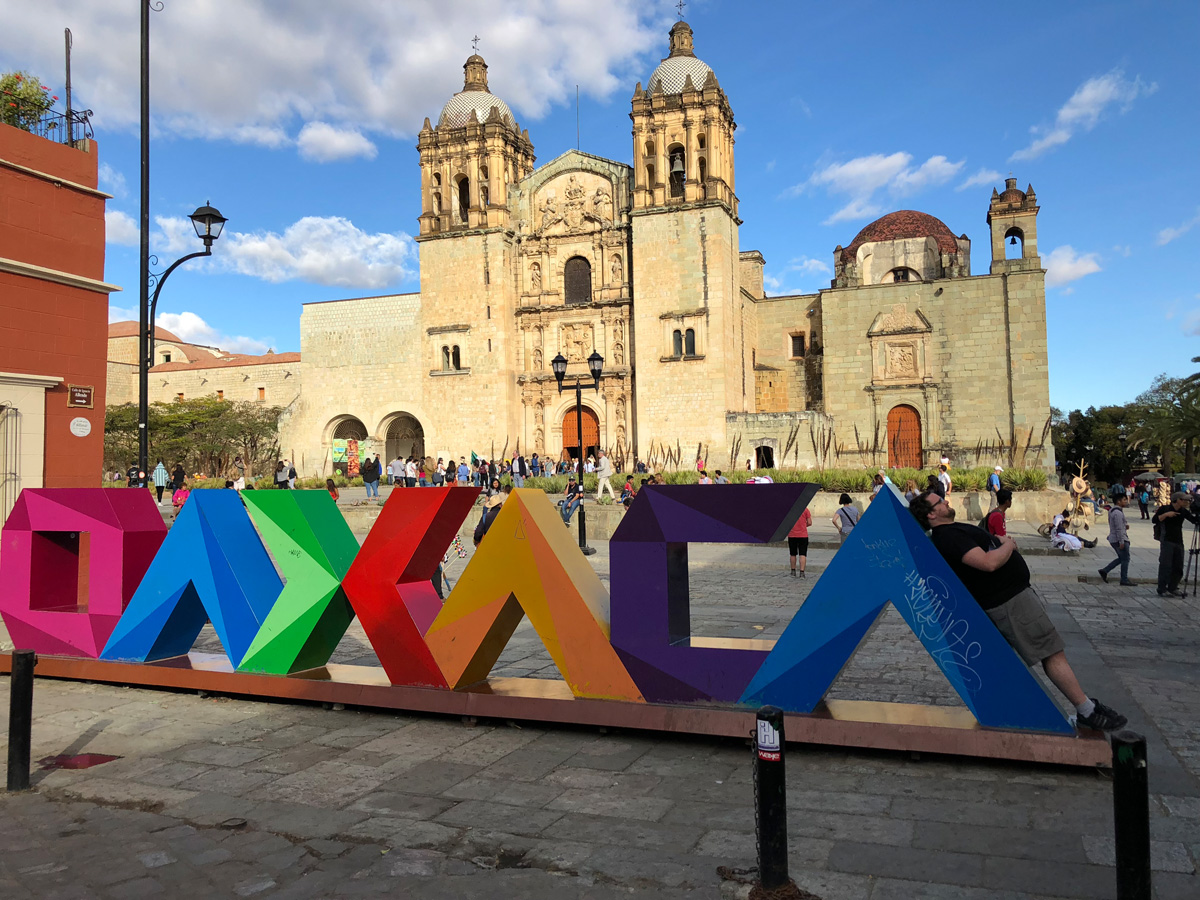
(1026, 626)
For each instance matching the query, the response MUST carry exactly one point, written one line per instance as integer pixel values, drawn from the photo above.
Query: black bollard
(771, 801)
(1131, 815)
(20, 718)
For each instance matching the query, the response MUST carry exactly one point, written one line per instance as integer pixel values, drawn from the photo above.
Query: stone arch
(675, 153)
(403, 436)
(557, 416)
(345, 428)
(1014, 243)
(462, 189)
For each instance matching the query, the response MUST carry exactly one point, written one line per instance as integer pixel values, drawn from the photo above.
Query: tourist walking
(239, 478)
(281, 476)
(396, 471)
(846, 517)
(159, 477)
(520, 471)
(371, 473)
(1143, 498)
(178, 477)
(1118, 537)
(993, 486)
(604, 471)
(798, 542)
(410, 473)
(944, 478)
(1168, 521)
(291, 475)
(996, 523)
(995, 574)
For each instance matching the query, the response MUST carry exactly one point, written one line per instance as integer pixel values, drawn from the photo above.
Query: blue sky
(298, 121)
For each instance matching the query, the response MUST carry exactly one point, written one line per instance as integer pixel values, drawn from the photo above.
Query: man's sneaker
(1103, 718)
(1127, 584)
(1103, 575)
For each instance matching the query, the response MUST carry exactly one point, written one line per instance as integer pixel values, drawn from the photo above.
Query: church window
(445, 358)
(437, 179)
(483, 196)
(166, 357)
(650, 177)
(700, 141)
(437, 203)
(901, 274)
(677, 169)
(797, 346)
(703, 169)
(650, 148)
(220, 395)
(464, 199)
(262, 393)
(689, 342)
(179, 396)
(577, 281)
(456, 359)
(677, 343)
(483, 173)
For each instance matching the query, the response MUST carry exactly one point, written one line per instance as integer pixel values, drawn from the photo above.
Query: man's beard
(950, 512)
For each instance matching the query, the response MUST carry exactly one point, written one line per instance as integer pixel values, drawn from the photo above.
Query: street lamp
(595, 367)
(208, 223)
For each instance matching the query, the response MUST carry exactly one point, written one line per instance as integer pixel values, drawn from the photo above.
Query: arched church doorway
(904, 438)
(405, 438)
(591, 433)
(764, 457)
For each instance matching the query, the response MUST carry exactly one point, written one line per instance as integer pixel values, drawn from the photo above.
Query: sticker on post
(768, 742)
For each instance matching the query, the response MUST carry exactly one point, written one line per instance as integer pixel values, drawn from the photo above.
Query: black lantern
(559, 365)
(595, 366)
(208, 222)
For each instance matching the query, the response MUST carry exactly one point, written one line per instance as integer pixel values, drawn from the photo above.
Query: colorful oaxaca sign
(87, 573)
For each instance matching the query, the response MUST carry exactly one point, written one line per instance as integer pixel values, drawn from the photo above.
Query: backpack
(1157, 530)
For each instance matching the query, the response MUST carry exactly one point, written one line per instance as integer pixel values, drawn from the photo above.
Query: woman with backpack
(846, 517)
(1143, 499)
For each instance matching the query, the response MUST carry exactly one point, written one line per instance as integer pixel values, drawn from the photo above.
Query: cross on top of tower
(679, 6)
(475, 42)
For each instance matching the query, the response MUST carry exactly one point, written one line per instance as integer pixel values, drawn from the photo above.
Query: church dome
(902, 224)
(474, 98)
(673, 71)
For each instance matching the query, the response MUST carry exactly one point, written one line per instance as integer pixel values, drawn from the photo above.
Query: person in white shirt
(396, 471)
(410, 473)
(604, 472)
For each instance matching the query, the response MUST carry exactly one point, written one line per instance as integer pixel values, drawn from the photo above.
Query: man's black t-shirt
(990, 589)
(1172, 527)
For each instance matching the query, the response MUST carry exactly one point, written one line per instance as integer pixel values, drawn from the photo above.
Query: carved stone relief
(586, 204)
(535, 278)
(576, 341)
(900, 360)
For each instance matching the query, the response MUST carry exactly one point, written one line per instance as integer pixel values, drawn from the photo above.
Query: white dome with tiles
(474, 98)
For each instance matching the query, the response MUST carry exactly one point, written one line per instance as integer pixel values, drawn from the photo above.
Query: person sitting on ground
(628, 492)
(1061, 537)
(995, 574)
(571, 502)
(994, 524)
(332, 488)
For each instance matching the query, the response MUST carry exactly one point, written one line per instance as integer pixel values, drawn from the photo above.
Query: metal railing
(45, 121)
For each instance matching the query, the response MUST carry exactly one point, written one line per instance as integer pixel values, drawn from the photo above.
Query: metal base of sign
(950, 731)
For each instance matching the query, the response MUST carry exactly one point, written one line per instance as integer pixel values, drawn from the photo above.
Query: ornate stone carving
(615, 270)
(900, 360)
(535, 278)
(618, 353)
(586, 205)
(576, 341)
(899, 320)
(537, 360)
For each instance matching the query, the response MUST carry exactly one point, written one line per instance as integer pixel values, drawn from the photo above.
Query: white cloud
(176, 235)
(120, 229)
(803, 266)
(122, 314)
(1125, 250)
(1064, 265)
(112, 181)
(980, 178)
(861, 177)
(322, 142)
(1169, 234)
(934, 171)
(194, 330)
(1084, 110)
(379, 68)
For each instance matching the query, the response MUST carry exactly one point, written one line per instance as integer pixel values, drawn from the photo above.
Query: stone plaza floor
(214, 797)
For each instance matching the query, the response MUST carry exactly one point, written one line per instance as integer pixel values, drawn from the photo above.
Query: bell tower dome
(470, 159)
(682, 132)
(1012, 217)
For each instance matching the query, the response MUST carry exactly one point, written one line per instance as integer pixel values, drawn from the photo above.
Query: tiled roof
(228, 361)
(457, 111)
(130, 329)
(904, 223)
(674, 70)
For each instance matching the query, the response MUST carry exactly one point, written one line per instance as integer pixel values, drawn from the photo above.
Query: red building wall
(52, 216)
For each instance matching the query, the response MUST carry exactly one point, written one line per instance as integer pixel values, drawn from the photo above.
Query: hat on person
(493, 501)
(571, 477)
(999, 469)
(1180, 495)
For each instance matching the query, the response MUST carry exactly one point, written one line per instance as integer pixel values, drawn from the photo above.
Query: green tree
(23, 100)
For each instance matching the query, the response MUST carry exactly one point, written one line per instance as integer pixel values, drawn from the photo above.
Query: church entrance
(405, 438)
(591, 433)
(904, 438)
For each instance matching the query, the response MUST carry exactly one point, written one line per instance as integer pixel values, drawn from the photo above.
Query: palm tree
(1158, 428)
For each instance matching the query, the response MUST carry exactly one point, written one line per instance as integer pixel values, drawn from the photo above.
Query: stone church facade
(905, 358)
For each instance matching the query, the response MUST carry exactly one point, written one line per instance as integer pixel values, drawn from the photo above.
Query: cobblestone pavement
(222, 798)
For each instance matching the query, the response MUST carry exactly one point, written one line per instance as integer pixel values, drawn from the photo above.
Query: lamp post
(208, 223)
(595, 366)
